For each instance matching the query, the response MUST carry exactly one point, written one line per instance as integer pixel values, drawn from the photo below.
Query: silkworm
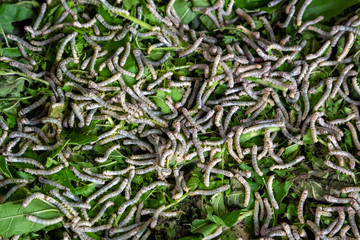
(348, 155)
(287, 165)
(340, 80)
(217, 233)
(193, 47)
(301, 12)
(102, 211)
(25, 55)
(128, 187)
(209, 192)
(143, 190)
(11, 192)
(31, 161)
(271, 193)
(43, 221)
(63, 201)
(254, 160)
(269, 213)
(86, 177)
(3, 125)
(355, 230)
(113, 231)
(44, 172)
(117, 192)
(288, 18)
(247, 17)
(208, 171)
(247, 189)
(63, 44)
(3, 137)
(103, 189)
(33, 106)
(350, 189)
(268, 28)
(23, 43)
(274, 3)
(120, 172)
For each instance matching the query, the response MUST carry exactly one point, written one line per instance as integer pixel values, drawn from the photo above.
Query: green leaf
(10, 13)
(281, 190)
(326, 8)
(13, 217)
(183, 9)
(4, 168)
(202, 226)
(231, 218)
(10, 52)
(217, 201)
(81, 139)
(12, 86)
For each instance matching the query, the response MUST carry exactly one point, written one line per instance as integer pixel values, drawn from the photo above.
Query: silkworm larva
(287, 165)
(217, 233)
(107, 154)
(340, 169)
(274, 3)
(348, 155)
(269, 213)
(208, 171)
(44, 172)
(209, 192)
(231, 151)
(119, 172)
(288, 18)
(63, 201)
(142, 191)
(247, 189)
(25, 160)
(301, 12)
(113, 231)
(355, 230)
(128, 187)
(116, 192)
(262, 126)
(256, 217)
(25, 55)
(254, 160)
(23, 43)
(103, 189)
(102, 211)
(193, 47)
(247, 17)
(3, 137)
(114, 9)
(62, 45)
(11, 191)
(340, 80)
(268, 28)
(31, 107)
(86, 177)
(3, 125)
(44, 221)
(217, 171)
(156, 216)
(271, 192)
(350, 189)
(344, 230)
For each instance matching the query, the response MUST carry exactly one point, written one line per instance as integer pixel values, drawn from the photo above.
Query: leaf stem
(137, 21)
(15, 98)
(3, 73)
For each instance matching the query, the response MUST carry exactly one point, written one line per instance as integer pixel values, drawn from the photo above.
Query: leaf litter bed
(179, 120)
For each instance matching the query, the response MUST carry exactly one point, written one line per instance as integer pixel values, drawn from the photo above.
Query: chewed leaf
(10, 13)
(13, 217)
(183, 9)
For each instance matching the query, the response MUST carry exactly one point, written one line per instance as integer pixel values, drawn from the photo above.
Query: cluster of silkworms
(258, 85)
